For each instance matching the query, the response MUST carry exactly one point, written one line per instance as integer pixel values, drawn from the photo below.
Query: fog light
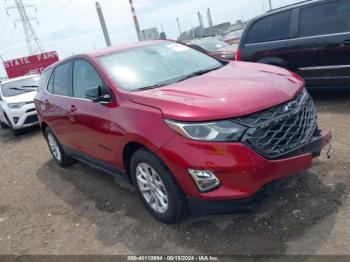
(15, 119)
(205, 180)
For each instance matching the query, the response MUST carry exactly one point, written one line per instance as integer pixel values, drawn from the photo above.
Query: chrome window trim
(75, 98)
(327, 77)
(298, 38)
(62, 96)
(324, 67)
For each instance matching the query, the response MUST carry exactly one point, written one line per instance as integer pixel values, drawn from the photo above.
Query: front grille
(31, 110)
(282, 129)
(31, 119)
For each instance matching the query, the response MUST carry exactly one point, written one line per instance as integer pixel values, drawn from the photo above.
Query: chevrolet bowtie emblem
(290, 106)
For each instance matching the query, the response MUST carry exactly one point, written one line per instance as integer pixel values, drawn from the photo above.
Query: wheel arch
(43, 127)
(128, 151)
(131, 147)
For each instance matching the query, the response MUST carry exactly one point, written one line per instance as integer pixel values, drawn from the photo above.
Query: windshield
(156, 65)
(211, 45)
(20, 87)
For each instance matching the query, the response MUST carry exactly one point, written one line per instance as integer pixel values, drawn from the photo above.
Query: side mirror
(97, 95)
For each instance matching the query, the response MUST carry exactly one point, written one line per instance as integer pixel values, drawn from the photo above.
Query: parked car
(215, 48)
(311, 38)
(233, 38)
(17, 109)
(192, 133)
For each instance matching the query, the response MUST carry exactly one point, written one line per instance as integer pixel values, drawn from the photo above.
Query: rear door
(54, 103)
(321, 51)
(266, 40)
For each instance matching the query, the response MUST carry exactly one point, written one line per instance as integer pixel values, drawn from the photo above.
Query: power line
(58, 10)
(42, 3)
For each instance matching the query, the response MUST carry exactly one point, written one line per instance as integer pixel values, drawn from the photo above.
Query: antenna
(33, 43)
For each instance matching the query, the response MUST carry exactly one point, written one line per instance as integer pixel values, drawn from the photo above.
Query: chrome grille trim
(282, 129)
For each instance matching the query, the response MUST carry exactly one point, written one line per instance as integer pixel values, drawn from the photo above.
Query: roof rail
(285, 6)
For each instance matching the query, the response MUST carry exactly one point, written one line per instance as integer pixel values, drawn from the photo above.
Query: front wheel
(157, 187)
(17, 132)
(3, 125)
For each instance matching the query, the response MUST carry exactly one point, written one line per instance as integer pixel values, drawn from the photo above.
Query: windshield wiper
(149, 87)
(34, 86)
(198, 73)
(22, 89)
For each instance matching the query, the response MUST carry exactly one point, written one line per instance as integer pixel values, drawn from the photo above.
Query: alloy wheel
(152, 188)
(55, 149)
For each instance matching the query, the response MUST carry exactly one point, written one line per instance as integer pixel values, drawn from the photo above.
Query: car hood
(237, 89)
(26, 97)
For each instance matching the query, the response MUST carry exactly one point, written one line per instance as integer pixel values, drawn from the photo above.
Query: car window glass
(324, 19)
(19, 87)
(50, 85)
(44, 78)
(84, 77)
(61, 81)
(154, 65)
(271, 28)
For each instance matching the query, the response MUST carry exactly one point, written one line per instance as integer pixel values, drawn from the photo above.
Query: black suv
(311, 38)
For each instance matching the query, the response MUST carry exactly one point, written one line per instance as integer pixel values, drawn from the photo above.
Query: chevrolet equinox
(193, 134)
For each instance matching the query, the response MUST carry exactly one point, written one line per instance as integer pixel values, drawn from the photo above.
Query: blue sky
(72, 26)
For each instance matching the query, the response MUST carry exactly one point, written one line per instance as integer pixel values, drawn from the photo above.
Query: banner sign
(30, 64)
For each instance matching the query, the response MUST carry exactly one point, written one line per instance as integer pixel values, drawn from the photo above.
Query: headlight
(228, 56)
(220, 131)
(16, 105)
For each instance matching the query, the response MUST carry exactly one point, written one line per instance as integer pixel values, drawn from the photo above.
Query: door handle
(72, 108)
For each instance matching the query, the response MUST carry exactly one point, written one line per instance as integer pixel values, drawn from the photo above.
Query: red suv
(192, 133)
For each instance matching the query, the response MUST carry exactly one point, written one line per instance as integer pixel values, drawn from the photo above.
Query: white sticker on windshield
(178, 47)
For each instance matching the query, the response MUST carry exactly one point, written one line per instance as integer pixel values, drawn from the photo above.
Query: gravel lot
(45, 209)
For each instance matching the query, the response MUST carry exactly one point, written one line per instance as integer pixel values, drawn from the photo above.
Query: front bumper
(26, 116)
(241, 171)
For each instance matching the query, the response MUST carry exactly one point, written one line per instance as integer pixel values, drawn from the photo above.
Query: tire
(56, 150)
(3, 125)
(17, 132)
(175, 205)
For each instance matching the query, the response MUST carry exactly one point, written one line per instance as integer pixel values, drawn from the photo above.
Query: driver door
(90, 121)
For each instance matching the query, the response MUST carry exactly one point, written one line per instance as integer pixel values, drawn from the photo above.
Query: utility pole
(178, 25)
(33, 43)
(136, 21)
(103, 24)
(270, 4)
